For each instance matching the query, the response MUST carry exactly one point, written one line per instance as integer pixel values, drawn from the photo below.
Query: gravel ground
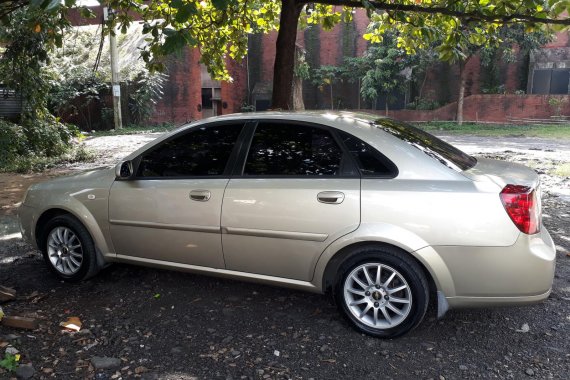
(154, 324)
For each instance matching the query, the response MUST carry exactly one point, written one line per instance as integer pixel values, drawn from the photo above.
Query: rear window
(445, 153)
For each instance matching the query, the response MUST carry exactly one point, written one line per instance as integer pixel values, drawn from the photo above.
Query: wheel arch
(45, 217)
(334, 264)
(86, 221)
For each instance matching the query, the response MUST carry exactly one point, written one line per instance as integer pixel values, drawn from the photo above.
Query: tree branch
(472, 15)
(7, 6)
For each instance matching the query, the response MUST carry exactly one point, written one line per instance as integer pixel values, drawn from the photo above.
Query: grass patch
(561, 131)
(562, 170)
(135, 129)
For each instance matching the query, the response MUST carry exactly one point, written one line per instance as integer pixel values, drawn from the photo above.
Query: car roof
(313, 115)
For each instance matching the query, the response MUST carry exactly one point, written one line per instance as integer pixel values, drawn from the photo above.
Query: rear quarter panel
(458, 213)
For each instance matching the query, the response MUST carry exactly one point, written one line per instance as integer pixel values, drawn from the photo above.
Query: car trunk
(502, 173)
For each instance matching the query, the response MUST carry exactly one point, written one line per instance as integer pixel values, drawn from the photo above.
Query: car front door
(296, 193)
(170, 211)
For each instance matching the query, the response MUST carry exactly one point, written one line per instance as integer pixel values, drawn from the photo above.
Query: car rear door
(297, 191)
(171, 210)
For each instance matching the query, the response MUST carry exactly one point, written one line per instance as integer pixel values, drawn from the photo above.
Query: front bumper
(26, 216)
(487, 276)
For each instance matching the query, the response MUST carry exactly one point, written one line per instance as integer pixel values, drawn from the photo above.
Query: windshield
(445, 153)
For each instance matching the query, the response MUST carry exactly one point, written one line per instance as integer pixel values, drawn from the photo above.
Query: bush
(13, 142)
(48, 137)
(37, 145)
(423, 104)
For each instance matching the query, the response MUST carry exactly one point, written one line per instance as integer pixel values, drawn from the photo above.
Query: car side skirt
(223, 273)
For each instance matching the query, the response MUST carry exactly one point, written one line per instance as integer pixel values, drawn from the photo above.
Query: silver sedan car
(385, 217)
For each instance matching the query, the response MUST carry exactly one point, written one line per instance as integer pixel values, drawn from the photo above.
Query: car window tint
(285, 149)
(204, 151)
(369, 160)
(438, 149)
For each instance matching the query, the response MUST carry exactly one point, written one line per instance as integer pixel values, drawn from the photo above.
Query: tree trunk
(285, 55)
(461, 95)
(421, 94)
(358, 93)
(331, 94)
(298, 103)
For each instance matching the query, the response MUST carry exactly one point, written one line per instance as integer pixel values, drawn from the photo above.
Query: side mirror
(124, 170)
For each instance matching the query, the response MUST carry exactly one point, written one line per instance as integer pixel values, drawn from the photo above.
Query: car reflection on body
(381, 214)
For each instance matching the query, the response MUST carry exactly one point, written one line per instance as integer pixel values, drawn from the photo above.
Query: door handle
(200, 195)
(333, 197)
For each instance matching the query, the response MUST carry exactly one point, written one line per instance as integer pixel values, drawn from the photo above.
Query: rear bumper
(459, 302)
(493, 276)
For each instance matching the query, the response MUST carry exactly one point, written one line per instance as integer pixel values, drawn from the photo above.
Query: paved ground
(157, 324)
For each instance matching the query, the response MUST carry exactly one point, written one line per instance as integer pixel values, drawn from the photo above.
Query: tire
(68, 249)
(387, 307)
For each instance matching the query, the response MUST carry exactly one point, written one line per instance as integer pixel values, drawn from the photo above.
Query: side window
(285, 149)
(203, 151)
(370, 162)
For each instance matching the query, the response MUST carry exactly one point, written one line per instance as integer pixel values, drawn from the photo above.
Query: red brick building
(535, 87)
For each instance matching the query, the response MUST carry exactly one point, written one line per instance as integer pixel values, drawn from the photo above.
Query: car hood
(502, 173)
(92, 178)
(98, 179)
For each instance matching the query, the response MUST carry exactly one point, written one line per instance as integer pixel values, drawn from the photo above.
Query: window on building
(550, 81)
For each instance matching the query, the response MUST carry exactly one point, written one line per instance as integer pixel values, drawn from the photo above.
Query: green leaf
(185, 11)
(10, 362)
(36, 3)
(173, 43)
(86, 12)
(169, 32)
(50, 5)
(221, 4)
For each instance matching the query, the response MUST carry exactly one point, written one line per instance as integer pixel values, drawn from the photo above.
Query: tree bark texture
(461, 95)
(283, 70)
(297, 96)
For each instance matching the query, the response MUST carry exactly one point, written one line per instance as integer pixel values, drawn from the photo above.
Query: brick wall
(182, 90)
(235, 94)
(490, 108)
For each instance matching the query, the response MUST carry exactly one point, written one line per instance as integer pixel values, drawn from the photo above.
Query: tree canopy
(220, 27)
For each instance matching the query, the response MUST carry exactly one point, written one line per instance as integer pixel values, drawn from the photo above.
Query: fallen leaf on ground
(72, 323)
(140, 370)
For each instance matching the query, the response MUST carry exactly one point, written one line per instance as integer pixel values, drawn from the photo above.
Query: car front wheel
(382, 292)
(68, 249)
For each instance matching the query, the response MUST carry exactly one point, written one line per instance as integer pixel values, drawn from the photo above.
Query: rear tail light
(523, 206)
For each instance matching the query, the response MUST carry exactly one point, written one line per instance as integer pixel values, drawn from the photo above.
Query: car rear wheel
(382, 291)
(68, 249)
